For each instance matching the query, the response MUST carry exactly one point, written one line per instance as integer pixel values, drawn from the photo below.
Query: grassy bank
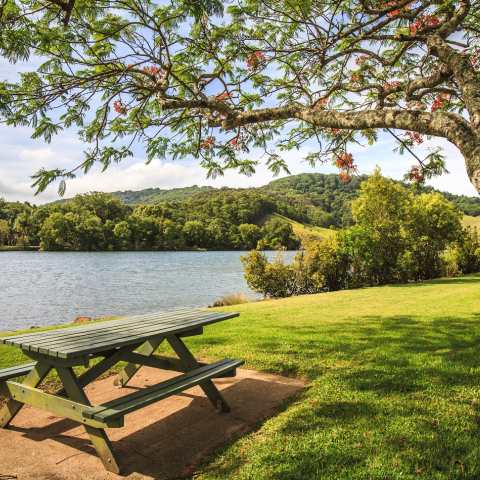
(392, 384)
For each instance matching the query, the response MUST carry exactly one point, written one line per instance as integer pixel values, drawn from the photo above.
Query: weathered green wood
(210, 390)
(192, 333)
(12, 407)
(51, 403)
(16, 371)
(97, 435)
(61, 362)
(142, 398)
(129, 371)
(101, 367)
(166, 363)
(88, 330)
(69, 342)
(67, 352)
(102, 331)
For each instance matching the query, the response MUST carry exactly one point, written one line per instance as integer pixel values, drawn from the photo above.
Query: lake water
(51, 288)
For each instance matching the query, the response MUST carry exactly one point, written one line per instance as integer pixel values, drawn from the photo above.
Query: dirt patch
(160, 441)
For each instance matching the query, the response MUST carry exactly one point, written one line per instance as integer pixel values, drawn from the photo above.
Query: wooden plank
(56, 361)
(88, 329)
(51, 403)
(111, 330)
(12, 407)
(75, 351)
(17, 371)
(113, 335)
(134, 401)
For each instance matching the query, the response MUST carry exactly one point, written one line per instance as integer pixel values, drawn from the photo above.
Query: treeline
(318, 199)
(327, 199)
(100, 221)
(398, 237)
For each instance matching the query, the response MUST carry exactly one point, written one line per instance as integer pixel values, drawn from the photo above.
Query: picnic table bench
(132, 340)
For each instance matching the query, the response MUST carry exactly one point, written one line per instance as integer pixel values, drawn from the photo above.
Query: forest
(199, 218)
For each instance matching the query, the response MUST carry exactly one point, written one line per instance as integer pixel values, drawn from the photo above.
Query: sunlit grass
(392, 384)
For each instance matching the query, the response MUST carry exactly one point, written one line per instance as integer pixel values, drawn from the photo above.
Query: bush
(466, 254)
(236, 298)
(279, 279)
(398, 238)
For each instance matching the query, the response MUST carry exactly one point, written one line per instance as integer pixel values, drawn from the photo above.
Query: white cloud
(21, 157)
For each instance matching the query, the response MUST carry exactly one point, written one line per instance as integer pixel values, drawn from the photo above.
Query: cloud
(18, 163)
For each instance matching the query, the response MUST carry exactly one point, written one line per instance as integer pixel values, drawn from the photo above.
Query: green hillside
(154, 196)
(303, 230)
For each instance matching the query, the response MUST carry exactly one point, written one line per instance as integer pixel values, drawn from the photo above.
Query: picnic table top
(92, 338)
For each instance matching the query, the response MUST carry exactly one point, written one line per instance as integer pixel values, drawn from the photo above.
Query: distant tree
(250, 235)
(194, 234)
(4, 230)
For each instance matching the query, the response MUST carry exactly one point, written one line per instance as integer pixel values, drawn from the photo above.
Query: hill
(154, 196)
(318, 199)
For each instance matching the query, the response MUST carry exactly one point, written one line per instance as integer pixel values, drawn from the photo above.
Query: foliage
(221, 81)
(314, 198)
(279, 279)
(466, 252)
(398, 237)
(222, 218)
(228, 220)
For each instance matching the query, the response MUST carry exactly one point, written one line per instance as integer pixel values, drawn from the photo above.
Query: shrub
(278, 279)
(236, 298)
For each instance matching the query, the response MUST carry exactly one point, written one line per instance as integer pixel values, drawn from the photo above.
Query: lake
(51, 288)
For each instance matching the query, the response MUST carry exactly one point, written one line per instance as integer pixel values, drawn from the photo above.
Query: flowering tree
(190, 78)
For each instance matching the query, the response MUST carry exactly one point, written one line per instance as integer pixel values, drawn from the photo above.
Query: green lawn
(469, 221)
(303, 230)
(392, 386)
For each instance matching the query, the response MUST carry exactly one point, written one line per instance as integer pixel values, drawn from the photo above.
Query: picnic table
(132, 340)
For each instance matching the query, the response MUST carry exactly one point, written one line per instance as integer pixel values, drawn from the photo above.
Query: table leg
(33, 379)
(190, 363)
(97, 435)
(129, 371)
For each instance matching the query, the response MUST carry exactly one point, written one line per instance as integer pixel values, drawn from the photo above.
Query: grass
(392, 384)
(303, 230)
(236, 298)
(469, 221)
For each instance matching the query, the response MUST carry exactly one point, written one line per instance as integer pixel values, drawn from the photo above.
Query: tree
(378, 238)
(250, 235)
(193, 78)
(433, 224)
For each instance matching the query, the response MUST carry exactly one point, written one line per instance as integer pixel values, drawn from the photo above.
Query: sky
(22, 156)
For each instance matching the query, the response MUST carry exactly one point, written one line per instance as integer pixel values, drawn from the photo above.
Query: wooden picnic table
(114, 341)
